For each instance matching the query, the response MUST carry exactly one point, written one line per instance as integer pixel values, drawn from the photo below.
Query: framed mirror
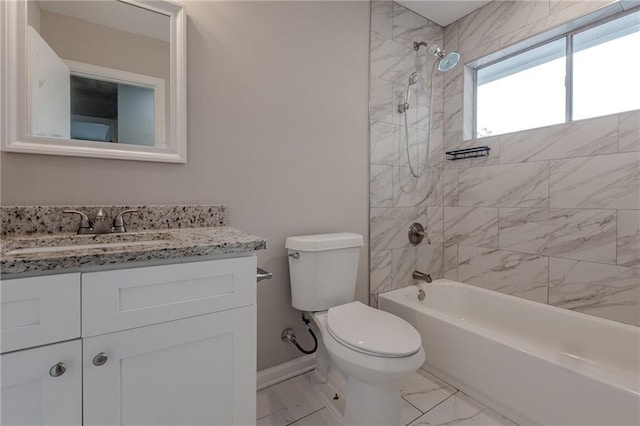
(90, 78)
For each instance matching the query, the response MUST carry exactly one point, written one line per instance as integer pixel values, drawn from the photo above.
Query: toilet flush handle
(295, 255)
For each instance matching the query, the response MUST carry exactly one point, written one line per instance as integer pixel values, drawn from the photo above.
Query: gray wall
(277, 126)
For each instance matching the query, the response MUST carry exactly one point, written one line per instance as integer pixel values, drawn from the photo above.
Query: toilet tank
(323, 269)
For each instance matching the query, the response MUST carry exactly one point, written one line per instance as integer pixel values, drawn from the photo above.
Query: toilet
(371, 347)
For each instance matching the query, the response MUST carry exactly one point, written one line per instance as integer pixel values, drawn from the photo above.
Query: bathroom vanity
(161, 333)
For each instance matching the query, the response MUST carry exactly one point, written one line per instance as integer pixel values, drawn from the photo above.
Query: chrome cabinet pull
(100, 359)
(58, 369)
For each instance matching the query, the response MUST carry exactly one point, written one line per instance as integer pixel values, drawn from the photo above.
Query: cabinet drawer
(129, 298)
(39, 310)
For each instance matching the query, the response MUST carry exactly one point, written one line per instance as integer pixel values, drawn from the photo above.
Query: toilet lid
(372, 331)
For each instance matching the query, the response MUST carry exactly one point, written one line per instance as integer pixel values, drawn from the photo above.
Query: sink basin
(56, 243)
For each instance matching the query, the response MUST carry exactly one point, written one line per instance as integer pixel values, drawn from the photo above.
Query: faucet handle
(85, 224)
(417, 233)
(118, 222)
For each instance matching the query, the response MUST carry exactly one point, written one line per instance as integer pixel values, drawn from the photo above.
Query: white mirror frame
(13, 94)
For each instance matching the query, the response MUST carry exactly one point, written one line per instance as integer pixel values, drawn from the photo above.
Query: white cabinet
(39, 310)
(161, 345)
(195, 371)
(37, 390)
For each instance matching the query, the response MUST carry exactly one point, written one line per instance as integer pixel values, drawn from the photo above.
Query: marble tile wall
(553, 214)
(398, 199)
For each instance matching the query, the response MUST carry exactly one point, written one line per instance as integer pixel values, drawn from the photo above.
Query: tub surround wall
(397, 199)
(553, 214)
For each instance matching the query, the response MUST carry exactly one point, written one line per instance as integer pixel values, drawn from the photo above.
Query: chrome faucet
(101, 223)
(417, 275)
(421, 276)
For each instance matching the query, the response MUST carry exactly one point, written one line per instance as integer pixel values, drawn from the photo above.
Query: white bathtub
(534, 363)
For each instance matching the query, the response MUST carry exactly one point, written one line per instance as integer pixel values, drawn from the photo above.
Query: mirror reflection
(98, 72)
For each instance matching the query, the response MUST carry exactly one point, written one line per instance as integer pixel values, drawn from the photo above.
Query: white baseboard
(280, 373)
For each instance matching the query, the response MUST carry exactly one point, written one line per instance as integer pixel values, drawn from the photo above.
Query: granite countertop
(123, 249)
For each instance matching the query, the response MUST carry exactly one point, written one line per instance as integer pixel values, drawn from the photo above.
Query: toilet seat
(372, 331)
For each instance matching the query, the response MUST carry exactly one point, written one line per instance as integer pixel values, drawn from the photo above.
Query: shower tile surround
(397, 198)
(552, 215)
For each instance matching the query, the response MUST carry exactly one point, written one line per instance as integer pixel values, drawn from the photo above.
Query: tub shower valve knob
(417, 234)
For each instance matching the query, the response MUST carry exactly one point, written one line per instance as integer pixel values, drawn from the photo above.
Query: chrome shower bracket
(416, 45)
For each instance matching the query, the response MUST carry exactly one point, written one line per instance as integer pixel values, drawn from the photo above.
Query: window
(586, 73)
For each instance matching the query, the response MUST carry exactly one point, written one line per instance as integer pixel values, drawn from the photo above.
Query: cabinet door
(31, 395)
(194, 371)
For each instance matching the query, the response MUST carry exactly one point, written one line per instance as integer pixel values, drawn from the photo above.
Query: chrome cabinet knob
(58, 369)
(100, 359)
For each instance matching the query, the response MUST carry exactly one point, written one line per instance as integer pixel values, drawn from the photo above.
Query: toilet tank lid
(323, 242)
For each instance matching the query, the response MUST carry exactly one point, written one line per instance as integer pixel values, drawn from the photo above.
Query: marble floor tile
(461, 410)
(322, 417)
(408, 413)
(298, 401)
(424, 391)
(287, 402)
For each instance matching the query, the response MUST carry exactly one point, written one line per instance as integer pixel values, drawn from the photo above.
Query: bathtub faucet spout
(417, 275)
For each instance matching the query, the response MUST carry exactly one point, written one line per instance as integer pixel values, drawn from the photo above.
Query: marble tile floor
(426, 401)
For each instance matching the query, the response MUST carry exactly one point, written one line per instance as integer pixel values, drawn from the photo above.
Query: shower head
(448, 61)
(413, 78)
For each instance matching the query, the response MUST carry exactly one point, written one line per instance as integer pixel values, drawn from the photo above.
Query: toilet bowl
(372, 348)
(372, 394)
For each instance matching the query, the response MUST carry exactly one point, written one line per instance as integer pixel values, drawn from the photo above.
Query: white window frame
(567, 31)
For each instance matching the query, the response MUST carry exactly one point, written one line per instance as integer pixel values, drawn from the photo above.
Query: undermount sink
(56, 243)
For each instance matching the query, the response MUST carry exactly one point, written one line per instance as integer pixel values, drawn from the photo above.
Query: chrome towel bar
(263, 275)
